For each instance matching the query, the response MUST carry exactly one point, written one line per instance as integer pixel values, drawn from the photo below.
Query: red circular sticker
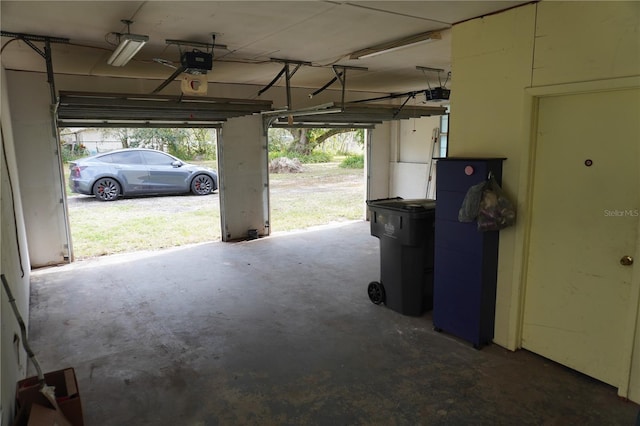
(468, 170)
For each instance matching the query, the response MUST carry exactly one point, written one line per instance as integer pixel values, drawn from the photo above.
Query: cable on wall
(13, 204)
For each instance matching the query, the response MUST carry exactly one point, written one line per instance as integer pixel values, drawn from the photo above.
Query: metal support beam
(208, 46)
(342, 77)
(33, 37)
(438, 70)
(411, 96)
(288, 75)
(46, 54)
(50, 77)
(35, 48)
(287, 78)
(391, 96)
(339, 76)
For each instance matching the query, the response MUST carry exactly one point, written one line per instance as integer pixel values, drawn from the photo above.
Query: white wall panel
(38, 167)
(378, 161)
(409, 180)
(242, 161)
(415, 139)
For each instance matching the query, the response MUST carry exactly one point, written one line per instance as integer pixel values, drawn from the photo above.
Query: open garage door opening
(134, 189)
(316, 177)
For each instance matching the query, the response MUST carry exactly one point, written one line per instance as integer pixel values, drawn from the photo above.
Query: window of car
(157, 158)
(125, 157)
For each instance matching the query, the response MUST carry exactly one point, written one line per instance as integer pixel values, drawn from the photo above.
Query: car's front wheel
(202, 185)
(106, 189)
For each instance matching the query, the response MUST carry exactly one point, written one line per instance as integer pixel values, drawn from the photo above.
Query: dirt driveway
(158, 204)
(322, 194)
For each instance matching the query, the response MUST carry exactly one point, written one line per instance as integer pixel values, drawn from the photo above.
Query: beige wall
(496, 62)
(14, 265)
(492, 62)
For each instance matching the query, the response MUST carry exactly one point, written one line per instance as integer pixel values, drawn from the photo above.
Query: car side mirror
(177, 163)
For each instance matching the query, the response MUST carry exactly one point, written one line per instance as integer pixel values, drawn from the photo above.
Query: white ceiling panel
(320, 32)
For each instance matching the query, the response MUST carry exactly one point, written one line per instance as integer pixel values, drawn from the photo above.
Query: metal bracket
(436, 70)
(339, 76)
(411, 96)
(46, 54)
(288, 74)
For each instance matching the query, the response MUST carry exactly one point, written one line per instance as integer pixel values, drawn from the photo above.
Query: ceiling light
(396, 45)
(129, 45)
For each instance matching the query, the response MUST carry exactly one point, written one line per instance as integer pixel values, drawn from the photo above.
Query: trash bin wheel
(376, 292)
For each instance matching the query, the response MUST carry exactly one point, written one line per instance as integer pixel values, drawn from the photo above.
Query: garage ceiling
(323, 33)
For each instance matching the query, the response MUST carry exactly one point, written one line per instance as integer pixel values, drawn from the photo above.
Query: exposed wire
(23, 330)
(330, 64)
(13, 202)
(8, 43)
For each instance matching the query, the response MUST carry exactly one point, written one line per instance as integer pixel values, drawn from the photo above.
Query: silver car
(138, 171)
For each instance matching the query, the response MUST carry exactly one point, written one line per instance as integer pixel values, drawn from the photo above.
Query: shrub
(314, 157)
(68, 155)
(285, 165)
(277, 154)
(353, 162)
(317, 157)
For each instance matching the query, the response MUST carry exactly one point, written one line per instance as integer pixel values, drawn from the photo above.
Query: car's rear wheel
(202, 185)
(106, 189)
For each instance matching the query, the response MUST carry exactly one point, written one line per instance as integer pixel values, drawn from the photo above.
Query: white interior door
(586, 202)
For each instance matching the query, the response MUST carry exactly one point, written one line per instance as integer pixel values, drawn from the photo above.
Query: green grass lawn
(322, 194)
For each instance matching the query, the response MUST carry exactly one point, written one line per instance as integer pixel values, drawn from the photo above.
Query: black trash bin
(405, 229)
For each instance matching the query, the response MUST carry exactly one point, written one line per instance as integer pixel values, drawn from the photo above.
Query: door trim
(532, 96)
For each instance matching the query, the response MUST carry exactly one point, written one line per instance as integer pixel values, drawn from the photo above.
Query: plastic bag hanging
(495, 211)
(471, 203)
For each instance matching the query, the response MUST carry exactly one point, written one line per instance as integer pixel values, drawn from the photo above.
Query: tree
(184, 143)
(279, 139)
(171, 139)
(306, 140)
(203, 142)
(122, 134)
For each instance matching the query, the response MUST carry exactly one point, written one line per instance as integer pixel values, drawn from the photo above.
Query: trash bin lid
(411, 205)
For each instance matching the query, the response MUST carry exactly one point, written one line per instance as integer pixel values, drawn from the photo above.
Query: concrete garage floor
(280, 331)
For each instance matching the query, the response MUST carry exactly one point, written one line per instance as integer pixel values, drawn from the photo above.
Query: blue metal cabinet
(465, 259)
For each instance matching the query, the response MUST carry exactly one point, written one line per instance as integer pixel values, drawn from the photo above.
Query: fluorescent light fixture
(130, 44)
(396, 45)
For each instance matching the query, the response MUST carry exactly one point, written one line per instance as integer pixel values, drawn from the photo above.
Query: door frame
(532, 96)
